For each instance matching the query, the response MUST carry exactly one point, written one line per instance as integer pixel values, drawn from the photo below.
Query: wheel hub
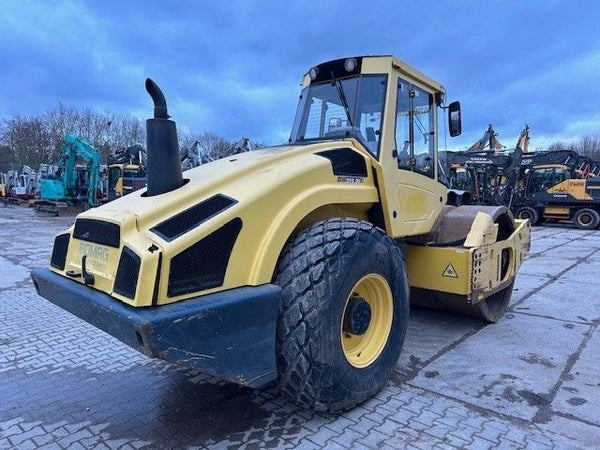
(585, 219)
(366, 321)
(357, 316)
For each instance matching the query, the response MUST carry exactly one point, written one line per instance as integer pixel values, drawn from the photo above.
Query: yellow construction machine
(126, 171)
(294, 263)
(559, 185)
(124, 179)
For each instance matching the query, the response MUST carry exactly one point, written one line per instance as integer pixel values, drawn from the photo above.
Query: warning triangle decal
(449, 272)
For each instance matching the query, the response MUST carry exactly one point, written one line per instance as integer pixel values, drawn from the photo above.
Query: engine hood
(245, 176)
(229, 221)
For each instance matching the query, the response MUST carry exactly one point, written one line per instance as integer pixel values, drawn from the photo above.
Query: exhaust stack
(163, 168)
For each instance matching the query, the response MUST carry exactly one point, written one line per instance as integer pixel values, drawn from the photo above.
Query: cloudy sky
(234, 67)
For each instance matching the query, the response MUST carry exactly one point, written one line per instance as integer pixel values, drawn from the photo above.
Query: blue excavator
(74, 187)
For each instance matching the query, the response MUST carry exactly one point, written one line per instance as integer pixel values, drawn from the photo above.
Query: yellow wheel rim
(361, 350)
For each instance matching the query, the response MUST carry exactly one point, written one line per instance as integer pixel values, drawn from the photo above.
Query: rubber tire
(590, 216)
(317, 271)
(527, 212)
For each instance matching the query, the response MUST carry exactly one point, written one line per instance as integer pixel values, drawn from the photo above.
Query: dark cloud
(234, 67)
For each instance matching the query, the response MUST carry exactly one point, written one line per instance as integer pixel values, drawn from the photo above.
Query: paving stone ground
(530, 381)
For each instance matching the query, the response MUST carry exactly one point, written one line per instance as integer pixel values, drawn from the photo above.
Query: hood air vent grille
(192, 217)
(203, 265)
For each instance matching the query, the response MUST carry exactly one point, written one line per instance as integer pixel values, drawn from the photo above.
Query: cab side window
(422, 121)
(403, 146)
(414, 129)
(545, 178)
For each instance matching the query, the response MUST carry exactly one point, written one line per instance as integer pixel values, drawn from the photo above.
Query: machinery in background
(3, 188)
(17, 186)
(539, 186)
(482, 177)
(489, 141)
(487, 173)
(193, 156)
(126, 171)
(523, 140)
(73, 187)
(559, 185)
(244, 145)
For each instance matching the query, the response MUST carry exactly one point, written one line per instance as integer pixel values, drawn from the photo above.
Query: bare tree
(589, 146)
(60, 121)
(105, 131)
(39, 139)
(556, 146)
(28, 139)
(8, 159)
(586, 146)
(125, 131)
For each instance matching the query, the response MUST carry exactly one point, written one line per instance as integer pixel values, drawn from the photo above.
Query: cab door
(415, 197)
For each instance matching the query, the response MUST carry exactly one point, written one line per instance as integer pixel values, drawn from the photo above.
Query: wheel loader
(294, 264)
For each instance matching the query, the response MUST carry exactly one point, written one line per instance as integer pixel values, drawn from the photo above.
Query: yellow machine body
(273, 190)
(472, 272)
(187, 269)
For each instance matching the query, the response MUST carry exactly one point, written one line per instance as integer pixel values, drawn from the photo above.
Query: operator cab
(343, 99)
(543, 178)
(391, 109)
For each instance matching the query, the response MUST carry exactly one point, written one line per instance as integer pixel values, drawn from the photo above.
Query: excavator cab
(543, 178)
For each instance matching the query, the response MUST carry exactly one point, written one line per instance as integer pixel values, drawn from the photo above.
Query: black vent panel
(59, 251)
(346, 162)
(97, 231)
(192, 217)
(127, 273)
(203, 265)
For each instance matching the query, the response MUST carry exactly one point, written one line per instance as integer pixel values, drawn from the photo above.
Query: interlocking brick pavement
(65, 384)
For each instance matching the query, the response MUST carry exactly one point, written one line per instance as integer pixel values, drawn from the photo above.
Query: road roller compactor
(294, 264)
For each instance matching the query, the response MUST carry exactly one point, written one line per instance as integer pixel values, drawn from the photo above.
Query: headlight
(350, 65)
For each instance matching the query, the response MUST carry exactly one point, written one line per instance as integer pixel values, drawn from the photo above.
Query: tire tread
(303, 273)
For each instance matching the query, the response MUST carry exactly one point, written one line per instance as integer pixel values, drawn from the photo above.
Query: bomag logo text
(98, 252)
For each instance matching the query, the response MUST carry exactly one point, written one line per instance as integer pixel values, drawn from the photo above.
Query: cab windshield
(349, 107)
